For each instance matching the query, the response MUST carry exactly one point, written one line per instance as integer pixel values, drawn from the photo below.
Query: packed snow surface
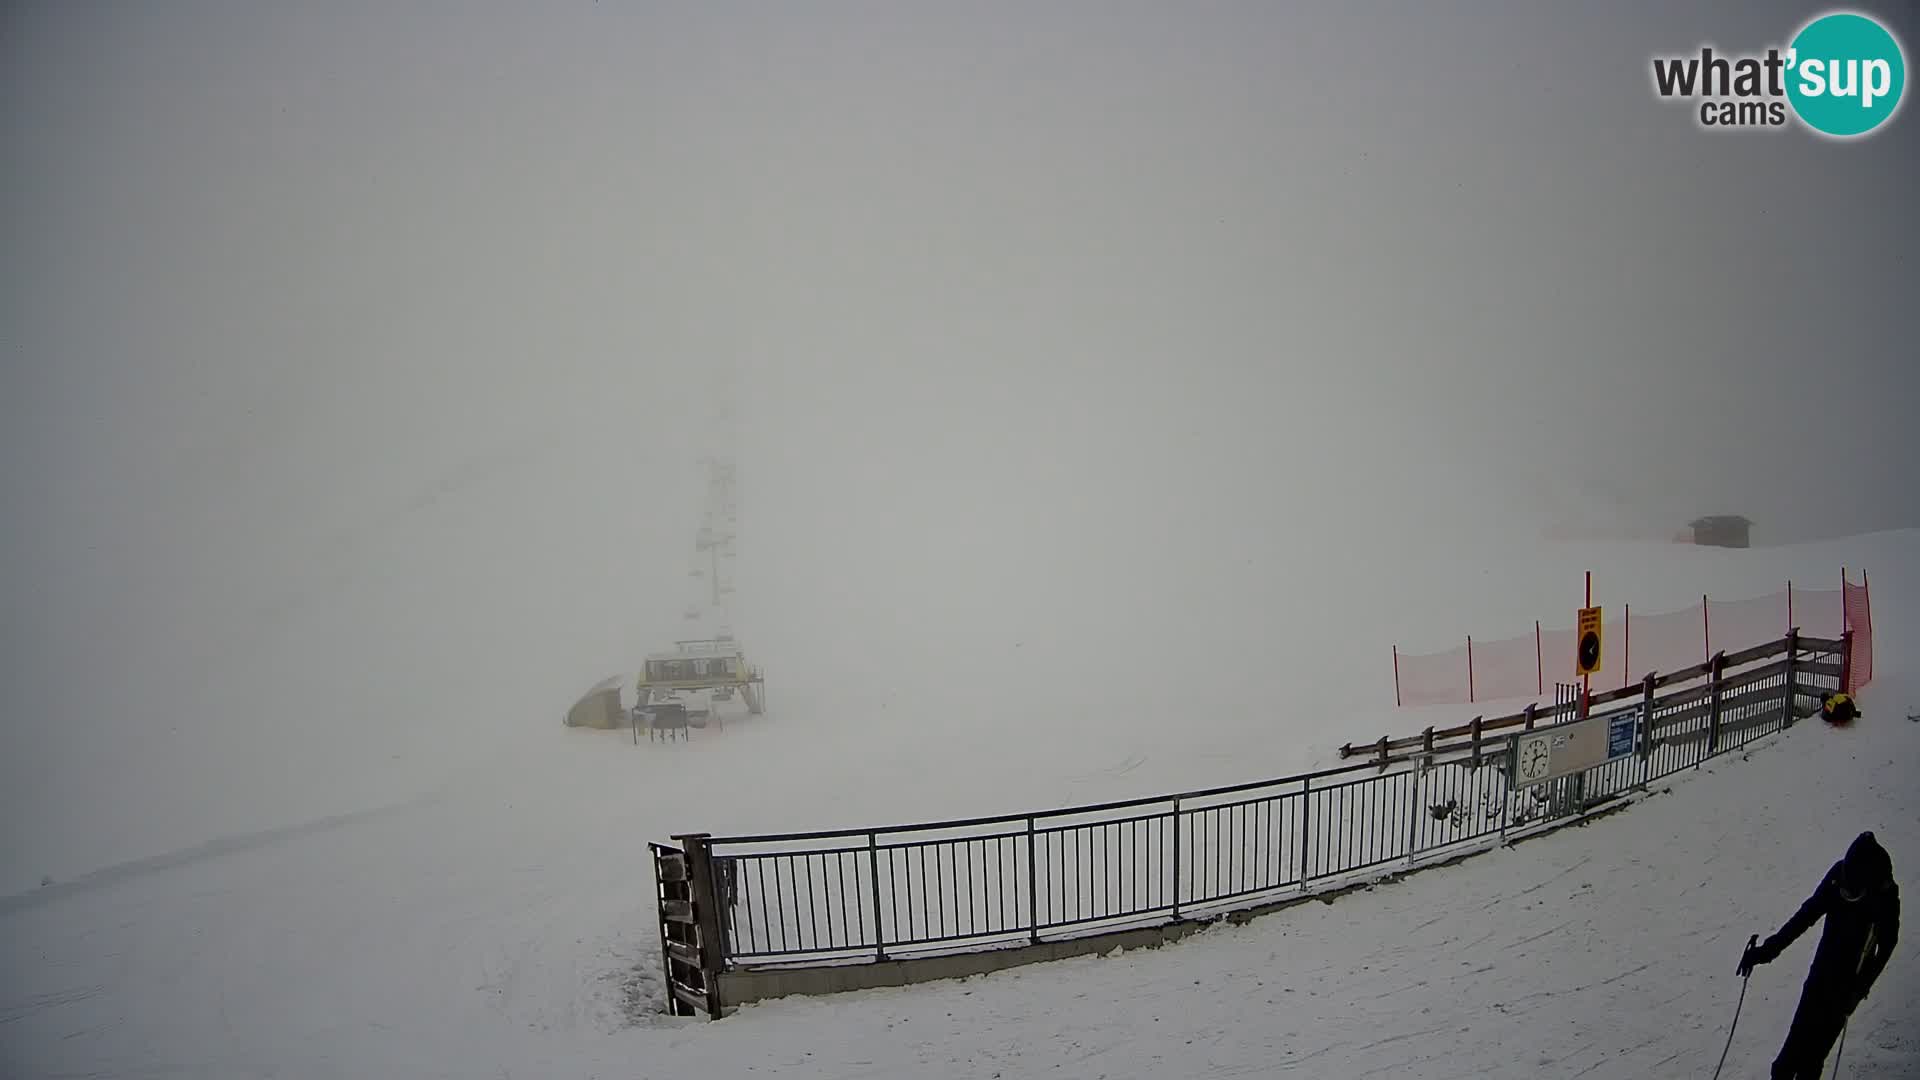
(496, 922)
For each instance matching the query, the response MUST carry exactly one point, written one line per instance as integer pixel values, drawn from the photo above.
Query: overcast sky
(991, 274)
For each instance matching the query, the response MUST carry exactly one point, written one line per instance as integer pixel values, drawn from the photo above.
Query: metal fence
(858, 895)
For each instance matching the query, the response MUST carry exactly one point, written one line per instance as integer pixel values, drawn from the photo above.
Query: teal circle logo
(1846, 74)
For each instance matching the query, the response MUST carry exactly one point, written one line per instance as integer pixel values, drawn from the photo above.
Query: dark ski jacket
(1861, 904)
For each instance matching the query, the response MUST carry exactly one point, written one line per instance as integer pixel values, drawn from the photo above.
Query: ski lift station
(714, 664)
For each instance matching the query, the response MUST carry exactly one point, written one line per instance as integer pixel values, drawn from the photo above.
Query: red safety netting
(1635, 644)
(1432, 678)
(1859, 619)
(1673, 639)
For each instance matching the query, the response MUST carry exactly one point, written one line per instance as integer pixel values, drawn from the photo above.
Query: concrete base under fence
(744, 986)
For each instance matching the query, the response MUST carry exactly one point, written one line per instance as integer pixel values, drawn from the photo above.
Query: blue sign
(1620, 733)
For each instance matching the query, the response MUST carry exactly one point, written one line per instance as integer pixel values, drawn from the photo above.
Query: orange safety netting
(1859, 616)
(1635, 644)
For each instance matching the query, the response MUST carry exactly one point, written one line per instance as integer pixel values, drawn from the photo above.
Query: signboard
(1575, 747)
(1620, 727)
(1586, 660)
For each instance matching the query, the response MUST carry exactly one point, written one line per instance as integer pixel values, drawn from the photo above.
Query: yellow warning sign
(1586, 659)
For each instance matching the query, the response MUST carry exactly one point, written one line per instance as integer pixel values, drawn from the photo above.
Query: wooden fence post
(706, 913)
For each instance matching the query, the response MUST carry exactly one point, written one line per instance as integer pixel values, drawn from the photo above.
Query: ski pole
(1744, 977)
(1837, 1051)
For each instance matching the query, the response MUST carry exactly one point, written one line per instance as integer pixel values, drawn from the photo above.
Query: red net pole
(1866, 601)
(1586, 681)
(1396, 676)
(1539, 667)
(1846, 638)
(1470, 669)
(1789, 603)
(1626, 646)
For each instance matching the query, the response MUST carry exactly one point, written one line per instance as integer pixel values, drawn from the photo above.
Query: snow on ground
(498, 923)
(1599, 951)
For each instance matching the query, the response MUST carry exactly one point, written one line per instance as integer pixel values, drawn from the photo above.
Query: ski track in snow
(502, 927)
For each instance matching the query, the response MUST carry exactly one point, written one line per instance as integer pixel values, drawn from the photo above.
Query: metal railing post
(1713, 704)
(1306, 799)
(1506, 799)
(1033, 887)
(1646, 729)
(1413, 815)
(1792, 691)
(1176, 856)
(873, 876)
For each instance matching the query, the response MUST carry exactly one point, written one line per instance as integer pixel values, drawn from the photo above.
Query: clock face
(1533, 760)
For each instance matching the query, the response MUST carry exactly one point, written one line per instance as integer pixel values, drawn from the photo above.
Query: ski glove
(1757, 955)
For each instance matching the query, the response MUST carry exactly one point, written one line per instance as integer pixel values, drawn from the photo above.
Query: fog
(357, 360)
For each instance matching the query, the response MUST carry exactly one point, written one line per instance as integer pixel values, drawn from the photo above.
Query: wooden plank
(1618, 693)
(1681, 675)
(691, 999)
(684, 953)
(1816, 667)
(1704, 707)
(1754, 675)
(680, 911)
(1683, 738)
(671, 867)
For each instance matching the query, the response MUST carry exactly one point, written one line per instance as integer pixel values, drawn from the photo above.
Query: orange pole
(1866, 601)
(1586, 681)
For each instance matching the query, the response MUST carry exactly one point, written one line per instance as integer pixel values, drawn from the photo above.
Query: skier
(1861, 904)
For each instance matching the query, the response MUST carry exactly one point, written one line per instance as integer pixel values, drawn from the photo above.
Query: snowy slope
(1603, 951)
(496, 923)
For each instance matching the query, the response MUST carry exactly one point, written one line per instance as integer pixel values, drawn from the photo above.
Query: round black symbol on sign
(1589, 650)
